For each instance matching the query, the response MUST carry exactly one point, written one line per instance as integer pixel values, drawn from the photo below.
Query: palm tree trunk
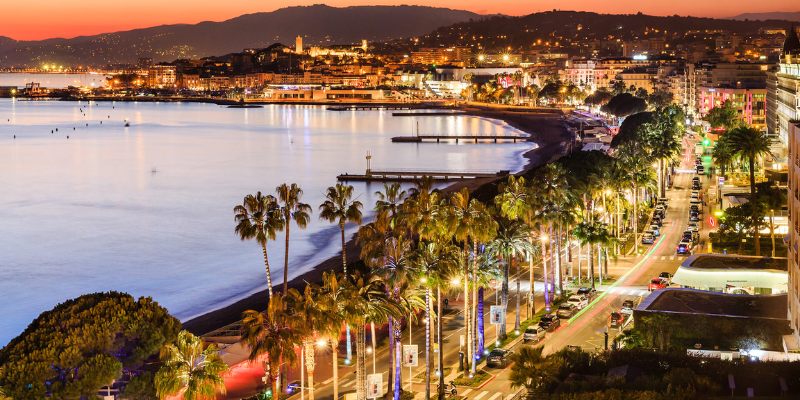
(479, 323)
(398, 366)
(286, 261)
(391, 356)
(467, 310)
(440, 391)
(756, 234)
(661, 184)
(635, 219)
(569, 248)
(310, 365)
(578, 261)
(427, 343)
(335, 366)
(558, 261)
(516, 312)
(269, 275)
(361, 365)
(504, 297)
(344, 253)
(591, 264)
(600, 262)
(475, 302)
(531, 278)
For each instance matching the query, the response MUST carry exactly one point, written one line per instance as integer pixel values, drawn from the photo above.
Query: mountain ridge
(775, 15)
(319, 24)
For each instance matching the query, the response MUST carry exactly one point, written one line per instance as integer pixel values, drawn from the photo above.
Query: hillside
(319, 24)
(577, 27)
(788, 16)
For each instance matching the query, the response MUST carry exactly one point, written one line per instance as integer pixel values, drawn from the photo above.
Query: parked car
(693, 227)
(694, 217)
(658, 221)
(498, 358)
(627, 307)
(648, 238)
(656, 284)
(664, 202)
(566, 310)
(700, 170)
(533, 334)
(665, 276)
(695, 208)
(549, 322)
(684, 248)
(617, 319)
(293, 387)
(578, 301)
(586, 292)
(655, 230)
(696, 186)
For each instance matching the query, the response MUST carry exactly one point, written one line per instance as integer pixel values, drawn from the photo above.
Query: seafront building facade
(783, 87)
(793, 200)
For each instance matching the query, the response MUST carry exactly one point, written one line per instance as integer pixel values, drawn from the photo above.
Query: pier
(427, 114)
(457, 138)
(413, 176)
(371, 107)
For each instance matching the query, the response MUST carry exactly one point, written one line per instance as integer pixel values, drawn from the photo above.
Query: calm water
(148, 209)
(52, 81)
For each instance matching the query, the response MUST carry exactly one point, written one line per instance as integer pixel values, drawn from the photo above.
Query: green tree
(624, 104)
(340, 208)
(660, 98)
(189, 369)
(511, 241)
(725, 117)
(532, 370)
(292, 210)
(662, 138)
(274, 333)
(259, 217)
(83, 344)
(749, 145)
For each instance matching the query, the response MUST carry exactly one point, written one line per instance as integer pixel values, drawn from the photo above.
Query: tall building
(793, 200)
(783, 89)
(751, 104)
(298, 44)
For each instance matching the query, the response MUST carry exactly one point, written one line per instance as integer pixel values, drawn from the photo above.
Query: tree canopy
(83, 344)
(724, 116)
(624, 104)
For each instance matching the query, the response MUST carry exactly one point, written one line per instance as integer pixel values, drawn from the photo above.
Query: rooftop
(690, 301)
(721, 261)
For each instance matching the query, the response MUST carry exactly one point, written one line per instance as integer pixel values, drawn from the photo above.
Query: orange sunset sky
(40, 19)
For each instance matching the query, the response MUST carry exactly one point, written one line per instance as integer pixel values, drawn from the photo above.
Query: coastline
(546, 128)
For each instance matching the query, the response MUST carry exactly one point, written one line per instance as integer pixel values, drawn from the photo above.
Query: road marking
(663, 258)
(509, 397)
(496, 395)
(351, 383)
(466, 392)
(327, 381)
(480, 396)
(672, 258)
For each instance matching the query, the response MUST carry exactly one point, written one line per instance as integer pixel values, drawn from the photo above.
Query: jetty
(371, 107)
(413, 176)
(427, 114)
(457, 138)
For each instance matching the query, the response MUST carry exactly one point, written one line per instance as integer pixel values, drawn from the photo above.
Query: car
(566, 310)
(578, 301)
(665, 276)
(700, 169)
(616, 320)
(696, 208)
(696, 187)
(693, 227)
(648, 238)
(533, 334)
(684, 248)
(656, 284)
(587, 292)
(660, 209)
(696, 180)
(654, 229)
(627, 307)
(549, 322)
(695, 197)
(658, 221)
(664, 202)
(293, 387)
(694, 217)
(498, 358)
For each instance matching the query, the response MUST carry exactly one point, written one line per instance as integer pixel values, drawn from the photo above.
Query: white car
(578, 301)
(693, 227)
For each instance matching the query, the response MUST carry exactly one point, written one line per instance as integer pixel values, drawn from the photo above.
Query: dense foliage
(624, 104)
(83, 344)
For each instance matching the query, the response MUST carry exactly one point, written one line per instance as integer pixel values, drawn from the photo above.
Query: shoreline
(547, 130)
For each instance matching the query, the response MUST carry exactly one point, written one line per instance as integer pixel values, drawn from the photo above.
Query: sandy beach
(547, 129)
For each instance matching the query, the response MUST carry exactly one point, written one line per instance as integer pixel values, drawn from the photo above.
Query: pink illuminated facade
(750, 103)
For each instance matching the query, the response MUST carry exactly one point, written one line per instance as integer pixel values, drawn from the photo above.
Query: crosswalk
(665, 258)
(481, 395)
(628, 291)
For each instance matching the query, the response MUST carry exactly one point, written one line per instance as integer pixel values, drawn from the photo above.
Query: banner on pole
(410, 358)
(374, 386)
(496, 315)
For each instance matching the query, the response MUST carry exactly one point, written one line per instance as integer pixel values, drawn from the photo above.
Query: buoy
(67, 136)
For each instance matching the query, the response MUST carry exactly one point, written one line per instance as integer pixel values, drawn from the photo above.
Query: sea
(88, 204)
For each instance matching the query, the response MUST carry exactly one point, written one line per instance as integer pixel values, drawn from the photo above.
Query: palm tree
(515, 202)
(472, 225)
(190, 370)
(723, 154)
(365, 301)
(511, 241)
(592, 232)
(390, 199)
(259, 217)
(488, 270)
(749, 145)
(640, 175)
(339, 208)
(331, 300)
(315, 321)
(663, 140)
(532, 370)
(292, 210)
(274, 333)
